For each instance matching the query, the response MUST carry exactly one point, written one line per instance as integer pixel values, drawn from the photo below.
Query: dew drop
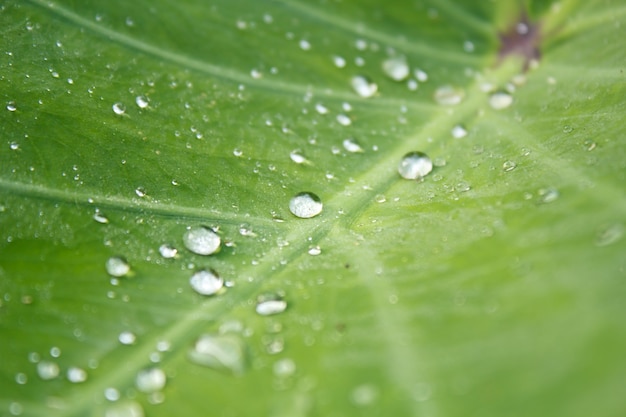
(380, 198)
(111, 394)
(448, 96)
(420, 75)
(11, 106)
(568, 129)
(100, 218)
(237, 152)
(47, 370)
(125, 409)
(344, 120)
(168, 251)
(14, 146)
(16, 408)
(142, 102)
(339, 61)
(396, 68)
(463, 186)
(127, 338)
(202, 240)
(119, 109)
(206, 282)
(298, 157)
(589, 145)
(363, 86)
(140, 192)
(76, 375)
(314, 250)
(459, 132)
(222, 352)
(284, 368)
(352, 146)
(509, 166)
(117, 266)
(270, 304)
(609, 234)
(304, 45)
(305, 205)
(500, 100)
(364, 395)
(150, 380)
(21, 378)
(321, 109)
(548, 195)
(415, 165)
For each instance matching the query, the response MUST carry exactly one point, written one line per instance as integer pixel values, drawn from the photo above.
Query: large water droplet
(202, 240)
(119, 109)
(415, 165)
(448, 96)
(269, 304)
(363, 86)
(351, 145)
(500, 100)
(11, 106)
(206, 282)
(124, 409)
(305, 205)
(142, 102)
(127, 338)
(76, 375)
(222, 352)
(168, 251)
(150, 380)
(47, 370)
(117, 266)
(396, 68)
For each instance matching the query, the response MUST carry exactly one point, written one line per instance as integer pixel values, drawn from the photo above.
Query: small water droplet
(462, 186)
(509, 166)
(298, 157)
(548, 195)
(222, 352)
(380, 198)
(21, 378)
(100, 218)
(117, 266)
(411, 85)
(396, 68)
(352, 146)
(140, 192)
(237, 152)
(127, 338)
(448, 96)
(415, 165)
(202, 240)
(14, 146)
(344, 120)
(589, 145)
(568, 129)
(119, 109)
(305, 205)
(142, 102)
(124, 409)
(339, 61)
(363, 86)
(468, 46)
(459, 132)
(76, 375)
(168, 251)
(500, 100)
(420, 75)
(284, 368)
(321, 109)
(11, 106)
(609, 234)
(270, 304)
(47, 370)
(150, 380)
(314, 250)
(256, 74)
(55, 352)
(304, 45)
(15, 408)
(206, 282)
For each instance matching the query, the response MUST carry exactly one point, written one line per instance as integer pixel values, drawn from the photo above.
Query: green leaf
(492, 287)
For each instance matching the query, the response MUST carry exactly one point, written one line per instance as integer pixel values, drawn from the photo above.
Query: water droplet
(206, 282)
(380, 198)
(127, 338)
(150, 380)
(462, 186)
(305, 205)
(468, 46)
(448, 96)
(14, 146)
(364, 395)
(459, 132)
(15, 408)
(11, 106)
(315, 250)
(321, 109)
(140, 192)
(21, 378)
(415, 165)
(609, 234)
(500, 100)
(411, 84)
(269, 304)
(421, 75)
(202, 240)
(304, 45)
(168, 251)
(363, 86)
(548, 195)
(509, 166)
(142, 102)
(396, 68)
(284, 368)
(589, 145)
(119, 109)
(351, 145)
(111, 394)
(117, 266)
(76, 375)
(344, 120)
(222, 352)
(47, 370)
(55, 352)
(568, 129)
(124, 409)
(298, 157)
(339, 61)
(100, 218)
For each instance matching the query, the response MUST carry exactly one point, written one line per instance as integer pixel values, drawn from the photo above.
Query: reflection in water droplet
(142, 102)
(509, 166)
(609, 235)
(415, 165)
(21, 378)
(269, 304)
(76, 375)
(124, 409)
(548, 195)
(206, 282)
(305, 205)
(150, 380)
(202, 240)
(119, 109)
(363, 86)
(222, 352)
(351, 145)
(47, 370)
(500, 100)
(168, 251)
(117, 266)
(448, 96)
(459, 132)
(396, 68)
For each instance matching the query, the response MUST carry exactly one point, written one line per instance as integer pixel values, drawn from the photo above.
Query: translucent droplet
(150, 380)
(16, 408)
(509, 166)
(448, 96)
(76, 375)
(548, 195)
(100, 218)
(463, 186)
(459, 132)
(21, 378)
(339, 61)
(142, 102)
(420, 75)
(380, 198)
(363, 86)
(500, 100)
(14, 146)
(117, 266)
(222, 352)
(396, 68)
(202, 240)
(298, 157)
(168, 251)
(206, 282)
(305, 205)
(55, 352)
(270, 304)
(344, 120)
(140, 192)
(351, 145)
(11, 106)
(609, 234)
(589, 145)
(411, 84)
(415, 165)
(468, 46)
(119, 109)
(124, 409)
(321, 109)
(111, 394)
(127, 338)
(568, 129)
(47, 370)
(304, 45)
(284, 368)
(314, 250)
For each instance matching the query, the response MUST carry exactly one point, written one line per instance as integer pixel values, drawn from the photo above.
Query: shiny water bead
(206, 282)
(117, 266)
(224, 352)
(305, 205)
(415, 165)
(363, 86)
(396, 68)
(202, 240)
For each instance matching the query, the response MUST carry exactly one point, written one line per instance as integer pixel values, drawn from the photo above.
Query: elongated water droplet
(202, 240)
(500, 100)
(270, 303)
(415, 165)
(363, 86)
(100, 218)
(448, 96)
(119, 109)
(351, 145)
(305, 205)
(150, 380)
(76, 375)
(117, 266)
(321, 109)
(206, 282)
(47, 370)
(396, 68)
(222, 352)
(298, 157)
